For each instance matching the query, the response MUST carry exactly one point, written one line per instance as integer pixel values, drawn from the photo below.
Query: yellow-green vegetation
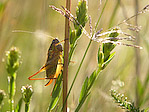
(100, 64)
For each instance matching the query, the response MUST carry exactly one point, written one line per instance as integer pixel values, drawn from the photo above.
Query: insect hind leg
(50, 81)
(42, 69)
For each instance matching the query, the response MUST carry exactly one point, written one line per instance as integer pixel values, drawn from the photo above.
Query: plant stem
(11, 105)
(64, 103)
(137, 54)
(77, 72)
(66, 57)
(100, 15)
(11, 80)
(26, 107)
(114, 13)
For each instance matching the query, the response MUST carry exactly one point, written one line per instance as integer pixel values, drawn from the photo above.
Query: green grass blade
(84, 89)
(81, 103)
(56, 93)
(19, 105)
(92, 80)
(109, 59)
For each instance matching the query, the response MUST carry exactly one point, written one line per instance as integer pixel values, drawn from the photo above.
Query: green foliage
(79, 23)
(2, 6)
(123, 103)
(142, 91)
(111, 56)
(56, 93)
(86, 89)
(27, 93)
(108, 47)
(19, 105)
(104, 57)
(82, 17)
(12, 65)
(2, 95)
(13, 60)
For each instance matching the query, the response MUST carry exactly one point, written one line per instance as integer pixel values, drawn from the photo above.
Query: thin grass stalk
(11, 88)
(100, 15)
(84, 55)
(19, 105)
(66, 57)
(137, 54)
(114, 13)
(11, 85)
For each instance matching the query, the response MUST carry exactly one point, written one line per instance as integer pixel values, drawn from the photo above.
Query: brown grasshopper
(53, 64)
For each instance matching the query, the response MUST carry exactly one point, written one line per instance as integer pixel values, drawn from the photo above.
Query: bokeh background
(36, 16)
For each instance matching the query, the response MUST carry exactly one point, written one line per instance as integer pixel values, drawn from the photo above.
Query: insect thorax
(54, 58)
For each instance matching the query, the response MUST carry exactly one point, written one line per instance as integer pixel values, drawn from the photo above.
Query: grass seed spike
(97, 35)
(53, 64)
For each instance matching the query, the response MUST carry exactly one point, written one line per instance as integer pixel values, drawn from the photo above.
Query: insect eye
(55, 41)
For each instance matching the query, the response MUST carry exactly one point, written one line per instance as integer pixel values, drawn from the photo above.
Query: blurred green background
(36, 16)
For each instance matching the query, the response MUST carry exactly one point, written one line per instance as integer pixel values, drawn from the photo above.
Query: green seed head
(13, 60)
(27, 92)
(81, 12)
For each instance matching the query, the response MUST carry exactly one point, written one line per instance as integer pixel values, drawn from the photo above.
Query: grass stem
(137, 54)
(84, 56)
(66, 57)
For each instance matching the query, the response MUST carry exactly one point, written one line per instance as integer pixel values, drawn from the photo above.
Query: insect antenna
(36, 33)
(61, 41)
